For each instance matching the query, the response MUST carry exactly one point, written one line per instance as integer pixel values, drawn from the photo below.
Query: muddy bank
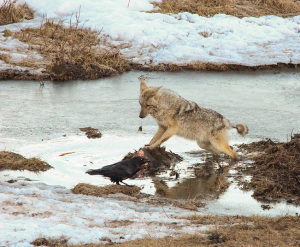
(276, 169)
(66, 71)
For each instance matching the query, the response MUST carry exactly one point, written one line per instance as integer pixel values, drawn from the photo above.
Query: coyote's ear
(159, 92)
(143, 86)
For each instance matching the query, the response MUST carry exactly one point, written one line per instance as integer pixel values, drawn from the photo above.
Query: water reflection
(196, 188)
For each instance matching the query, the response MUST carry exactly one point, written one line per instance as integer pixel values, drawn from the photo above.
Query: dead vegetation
(13, 161)
(91, 133)
(71, 52)
(276, 170)
(259, 231)
(227, 231)
(199, 66)
(11, 12)
(50, 242)
(244, 8)
(92, 190)
(74, 52)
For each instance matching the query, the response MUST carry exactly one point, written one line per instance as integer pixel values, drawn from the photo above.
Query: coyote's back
(178, 116)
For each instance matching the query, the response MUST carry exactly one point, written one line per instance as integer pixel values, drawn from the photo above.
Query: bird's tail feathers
(94, 172)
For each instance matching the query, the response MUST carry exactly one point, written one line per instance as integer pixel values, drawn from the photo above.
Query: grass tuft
(276, 169)
(50, 242)
(11, 12)
(73, 52)
(13, 161)
(92, 190)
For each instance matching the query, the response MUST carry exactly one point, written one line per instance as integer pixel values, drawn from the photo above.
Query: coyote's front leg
(158, 134)
(165, 136)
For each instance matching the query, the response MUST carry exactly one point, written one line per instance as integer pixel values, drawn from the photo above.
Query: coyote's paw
(147, 146)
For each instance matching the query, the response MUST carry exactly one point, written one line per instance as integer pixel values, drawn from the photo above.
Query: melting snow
(31, 210)
(184, 38)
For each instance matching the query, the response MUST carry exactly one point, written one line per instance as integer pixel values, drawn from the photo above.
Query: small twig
(292, 133)
(164, 211)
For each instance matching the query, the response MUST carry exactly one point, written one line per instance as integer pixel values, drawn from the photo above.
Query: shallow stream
(44, 121)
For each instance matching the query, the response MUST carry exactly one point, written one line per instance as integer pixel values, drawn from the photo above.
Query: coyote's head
(149, 99)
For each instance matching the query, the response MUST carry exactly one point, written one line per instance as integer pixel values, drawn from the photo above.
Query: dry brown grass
(92, 190)
(260, 231)
(236, 8)
(276, 169)
(13, 161)
(10, 12)
(50, 242)
(199, 66)
(5, 57)
(72, 52)
(91, 133)
(228, 231)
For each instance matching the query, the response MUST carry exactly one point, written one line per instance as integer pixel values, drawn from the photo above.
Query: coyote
(178, 116)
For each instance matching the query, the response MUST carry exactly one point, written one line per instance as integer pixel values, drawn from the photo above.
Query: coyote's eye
(147, 105)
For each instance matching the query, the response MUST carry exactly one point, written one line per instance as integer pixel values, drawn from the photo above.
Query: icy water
(45, 121)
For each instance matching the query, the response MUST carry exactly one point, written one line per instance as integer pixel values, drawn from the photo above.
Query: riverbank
(61, 45)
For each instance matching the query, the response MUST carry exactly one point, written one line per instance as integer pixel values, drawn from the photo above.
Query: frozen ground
(181, 39)
(29, 211)
(45, 122)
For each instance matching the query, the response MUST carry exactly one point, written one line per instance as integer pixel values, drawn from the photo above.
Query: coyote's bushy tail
(242, 129)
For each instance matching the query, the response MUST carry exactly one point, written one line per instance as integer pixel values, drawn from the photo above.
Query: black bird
(120, 170)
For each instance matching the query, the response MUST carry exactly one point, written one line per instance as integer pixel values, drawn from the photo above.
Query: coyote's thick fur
(178, 116)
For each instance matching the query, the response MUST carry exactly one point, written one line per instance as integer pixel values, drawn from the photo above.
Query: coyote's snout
(178, 116)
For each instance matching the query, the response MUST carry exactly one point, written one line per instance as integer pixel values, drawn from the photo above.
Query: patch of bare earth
(276, 169)
(13, 161)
